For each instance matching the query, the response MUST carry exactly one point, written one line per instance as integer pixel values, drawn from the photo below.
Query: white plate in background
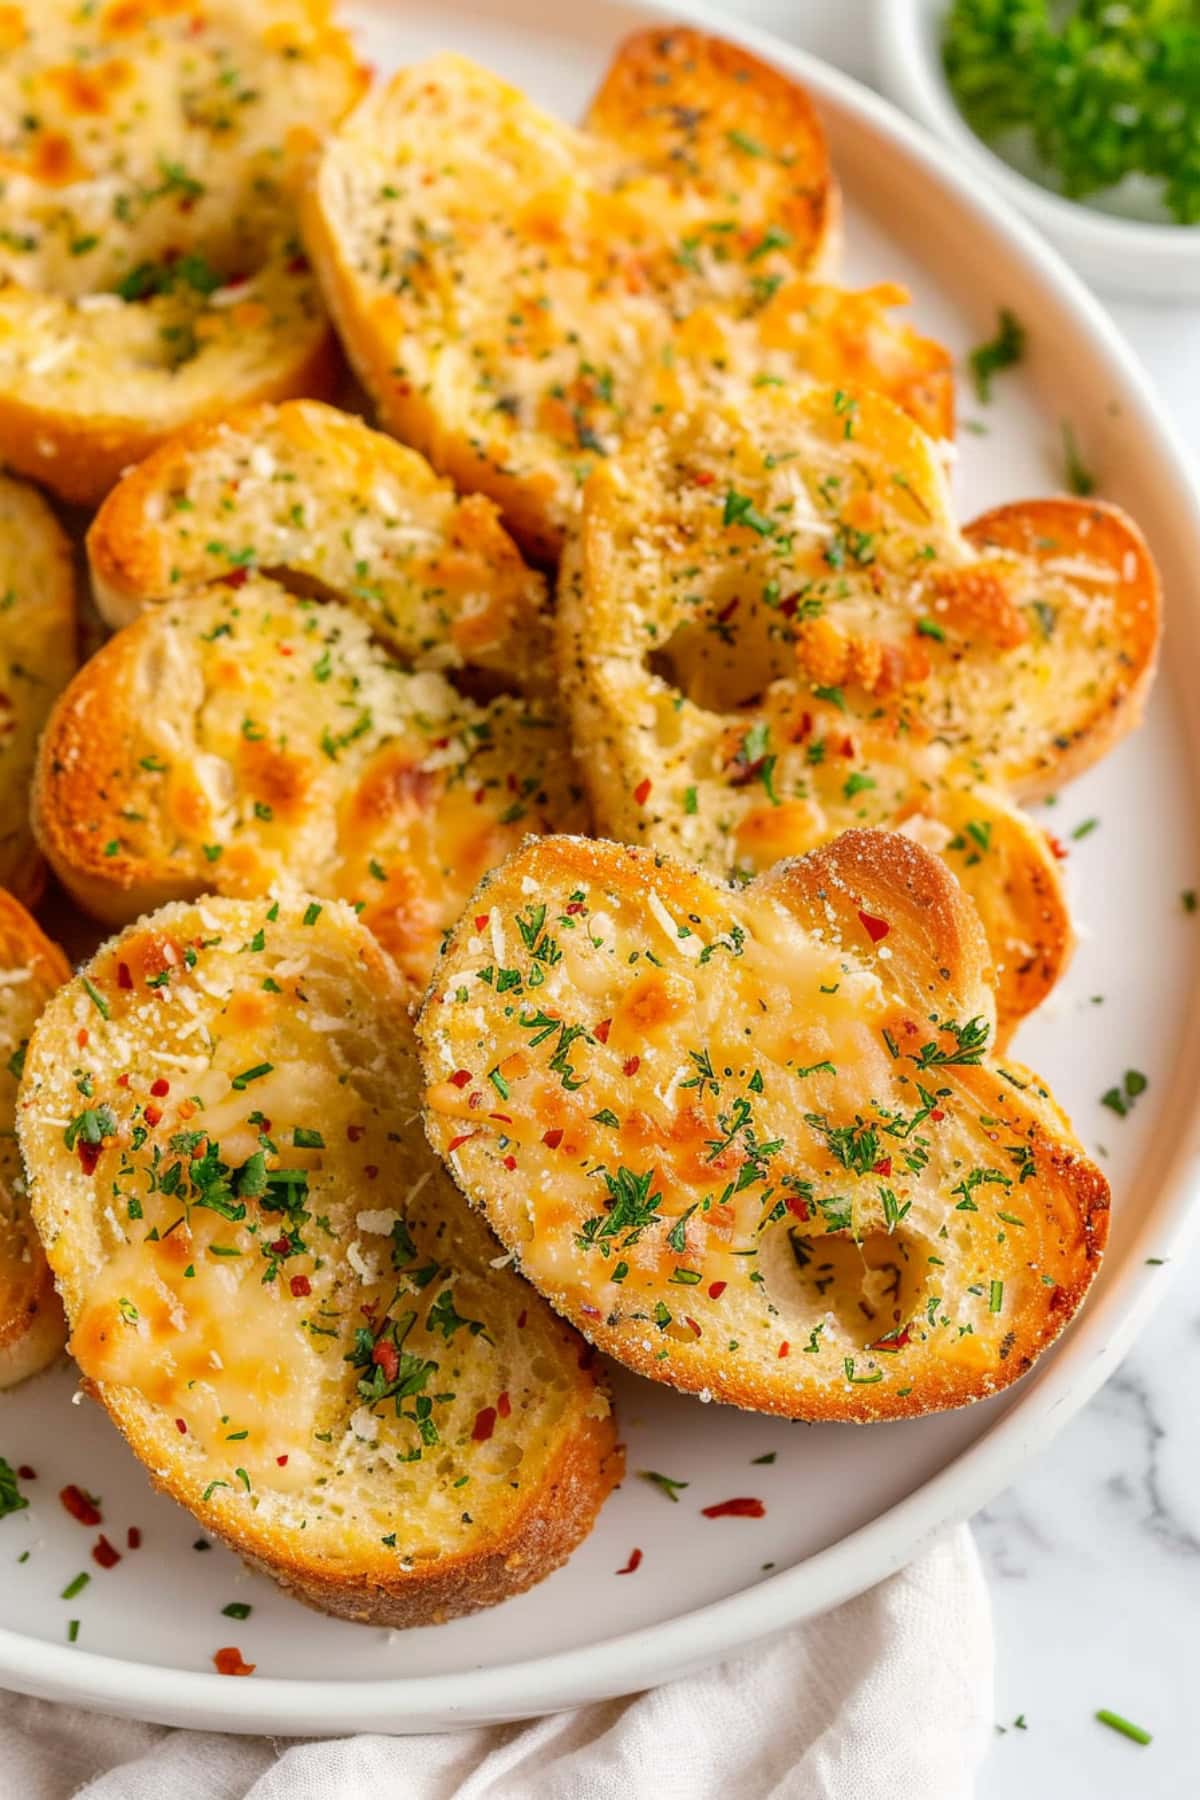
(845, 1506)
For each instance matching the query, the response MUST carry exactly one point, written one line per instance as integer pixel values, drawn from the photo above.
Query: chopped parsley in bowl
(1098, 100)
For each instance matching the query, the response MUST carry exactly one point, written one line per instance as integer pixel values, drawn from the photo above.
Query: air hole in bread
(716, 670)
(859, 1289)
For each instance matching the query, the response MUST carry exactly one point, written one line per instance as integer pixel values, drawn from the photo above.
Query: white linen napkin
(890, 1694)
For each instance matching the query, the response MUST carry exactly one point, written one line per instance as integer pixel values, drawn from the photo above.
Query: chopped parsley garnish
(1000, 353)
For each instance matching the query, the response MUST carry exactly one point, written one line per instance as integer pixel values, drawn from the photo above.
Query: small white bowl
(1124, 256)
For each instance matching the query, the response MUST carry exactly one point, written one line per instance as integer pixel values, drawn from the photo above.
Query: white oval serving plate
(844, 1506)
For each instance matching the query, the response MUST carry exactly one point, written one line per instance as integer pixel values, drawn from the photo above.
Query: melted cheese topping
(728, 1125)
(269, 740)
(264, 1267)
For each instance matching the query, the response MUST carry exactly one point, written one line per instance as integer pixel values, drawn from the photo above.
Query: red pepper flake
(716, 1289)
(133, 1537)
(632, 1066)
(727, 611)
(798, 1206)
(641, 792)
(740, 1508)
(124, 978)
(301, 1287)
(81, 1037)
(152, 1115)
(803, 729)
(481, 920)
(847, 746)
(882, 1167)
(504, 1405)
(81, 1506)
(181, 1427)
(937, 1115)
(784, 1347)
(123, 1079)
(354, 1132)
(898, 1340)
(282, 1460)
(635, 1562)
(462, 1078)
(552, 1139)
(231, 1662)
(464, 1137)
(485, 1424)
(89, 1156)
(1057, 847)
(874, 928)
(704, 478)
(26, 1473)
(510, 1163)
(692, 1325)
(573, 906)
(279, 1247)
(235, 578)
(503, 1118)
(600, 1032)
(104, 1553)
(371, 1171)
(385, 1356)
(160, 1088)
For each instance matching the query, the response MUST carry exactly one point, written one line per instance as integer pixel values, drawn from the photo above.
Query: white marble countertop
(1093, 1556)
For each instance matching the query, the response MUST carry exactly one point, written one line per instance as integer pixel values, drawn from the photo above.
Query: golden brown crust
(32, 1328)
(500, 1447)
(753, 1144)
(674, 242)
(1045, 535)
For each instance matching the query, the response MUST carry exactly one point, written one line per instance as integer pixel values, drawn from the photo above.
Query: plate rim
(1046, 1400)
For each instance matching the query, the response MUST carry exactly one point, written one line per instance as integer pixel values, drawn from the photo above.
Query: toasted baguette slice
(525, 333)
(241, 737)
(752, 1141)
(37, 657)
(151, 273)
(313, 491)
(272, 1286)
(773, 629)
(32, 1327)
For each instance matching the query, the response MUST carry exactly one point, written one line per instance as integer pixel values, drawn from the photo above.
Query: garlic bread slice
(32, 1327)
(313, 493)
(772, 629)
(150, 268)
(753, 1142)
(509, 288)
(273, 1288)
(37, 658)
(242, 737)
